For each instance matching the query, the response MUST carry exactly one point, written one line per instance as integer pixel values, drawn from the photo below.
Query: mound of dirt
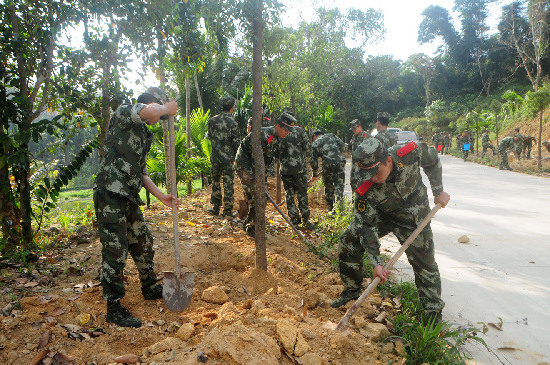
(238, 314)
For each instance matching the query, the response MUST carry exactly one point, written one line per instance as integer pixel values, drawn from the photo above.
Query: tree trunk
(279, 181)
(539, 142)
(25, 197)
(188, 126)
(105, 106)
(199, 97)
(9, 214)
(257, 153)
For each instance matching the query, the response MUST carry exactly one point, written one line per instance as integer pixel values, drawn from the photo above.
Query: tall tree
(424, 66)
(257, 153)
(29, 32)
(527, 31)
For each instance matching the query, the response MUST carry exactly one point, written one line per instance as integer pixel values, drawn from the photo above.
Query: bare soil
(53, 313)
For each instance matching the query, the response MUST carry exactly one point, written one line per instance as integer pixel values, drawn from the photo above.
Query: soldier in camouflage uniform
(292, 152)
(446, 143)
(486, 143)
(547, 145)
(519, 143)
(505, 145)
(358, 134)
(436, 139)
(528, 145)
(245, 167)
(122, 174)
(382, 121)
(393, 198)
(223, 133)
(329, 148)
(466, 143)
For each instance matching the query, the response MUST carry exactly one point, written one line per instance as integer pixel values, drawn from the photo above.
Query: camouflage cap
(354, 124)
(368, 156)
(317, 131)
(157, 93)
(287, 120)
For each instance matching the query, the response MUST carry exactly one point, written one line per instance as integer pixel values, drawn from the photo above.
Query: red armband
(270, 139)
(364, 187)
(406, 149)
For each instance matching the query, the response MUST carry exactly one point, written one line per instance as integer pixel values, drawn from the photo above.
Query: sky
(401, 19)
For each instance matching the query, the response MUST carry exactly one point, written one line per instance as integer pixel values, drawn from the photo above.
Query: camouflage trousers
(333, 179)
(465, 154)
(296, 185)
(526, 151)
(225, 174)
(487, 146)
(122, 230)
(249, 187)
(503, 158)
(420, 254)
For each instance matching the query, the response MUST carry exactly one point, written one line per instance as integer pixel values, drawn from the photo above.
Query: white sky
(401, 19)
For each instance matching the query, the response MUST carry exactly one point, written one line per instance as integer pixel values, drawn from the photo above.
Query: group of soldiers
(389, 195)
(520, 145)
(442, 141)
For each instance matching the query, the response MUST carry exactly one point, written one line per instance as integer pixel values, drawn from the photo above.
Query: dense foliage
(64, 67)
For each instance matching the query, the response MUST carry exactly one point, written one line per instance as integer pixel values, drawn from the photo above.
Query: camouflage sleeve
(431, 165)
(209, 132)
(341, 144)
(236, 142)
(314, 160)
(129, 114)
(304, 142)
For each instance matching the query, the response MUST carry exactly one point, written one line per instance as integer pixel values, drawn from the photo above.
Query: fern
(46, 194)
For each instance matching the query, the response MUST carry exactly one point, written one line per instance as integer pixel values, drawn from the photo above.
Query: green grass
(76, 208)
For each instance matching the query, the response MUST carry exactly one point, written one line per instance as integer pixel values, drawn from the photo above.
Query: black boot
(214, 210)
(120, 316)
(153, 292)
(345, 297)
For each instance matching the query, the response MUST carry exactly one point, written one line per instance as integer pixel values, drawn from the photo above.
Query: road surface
(503, 274)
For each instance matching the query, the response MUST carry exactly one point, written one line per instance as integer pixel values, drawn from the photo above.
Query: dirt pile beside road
(238, 315)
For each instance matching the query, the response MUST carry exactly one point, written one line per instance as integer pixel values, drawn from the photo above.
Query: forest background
(57, 98)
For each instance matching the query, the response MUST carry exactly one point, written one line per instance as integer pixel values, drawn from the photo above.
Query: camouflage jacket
(466, 140)
(356, 140)
(485, 139)
(528, 140)
(507, 143)
(436, 139)
(125, 154)
(386, 138)
(402, 198)
(244, 160)
(223, 133)
(292, 151)
(329, 147)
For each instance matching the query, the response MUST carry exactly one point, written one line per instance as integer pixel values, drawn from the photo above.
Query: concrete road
(503, 274)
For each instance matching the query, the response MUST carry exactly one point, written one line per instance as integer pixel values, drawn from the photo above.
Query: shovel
(285, 217)
(178, 286)
(344, 321)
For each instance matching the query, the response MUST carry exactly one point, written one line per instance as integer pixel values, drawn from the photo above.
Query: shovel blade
(177, 290)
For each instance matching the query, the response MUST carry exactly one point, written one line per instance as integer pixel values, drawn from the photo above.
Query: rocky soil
(53, 312)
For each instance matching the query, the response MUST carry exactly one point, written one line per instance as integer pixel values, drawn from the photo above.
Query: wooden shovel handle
(174, 192)
(344, 321)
